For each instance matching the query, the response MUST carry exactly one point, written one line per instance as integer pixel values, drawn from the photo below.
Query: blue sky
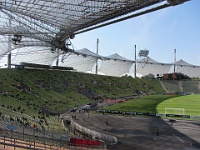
(159, 32)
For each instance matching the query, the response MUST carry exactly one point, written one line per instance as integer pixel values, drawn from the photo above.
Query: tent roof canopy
(117, 57)
(87, 52)
(53, 21)
(181, 62)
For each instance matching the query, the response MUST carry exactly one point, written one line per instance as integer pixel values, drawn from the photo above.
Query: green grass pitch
(158, 103)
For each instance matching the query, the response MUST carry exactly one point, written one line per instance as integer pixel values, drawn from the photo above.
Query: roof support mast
(9, 47)
(135, 63)
(96, 71)
(58, 55)
(174, 60)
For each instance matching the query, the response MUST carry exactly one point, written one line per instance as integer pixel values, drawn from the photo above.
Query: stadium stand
(36, 97)
(32, 99)
(171, 86)
(190, 86)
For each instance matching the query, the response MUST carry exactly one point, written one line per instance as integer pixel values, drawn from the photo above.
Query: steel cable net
(50, 22)
(35, 55)
(150, 68)
(4, 46)
(18, 24)
(73, 14)
(12, 25)
(82, 60)
(147, 66)
(115, 65)
(42, 25)
(80, 63)
(191, 71)
(55, 20)
(186, 68)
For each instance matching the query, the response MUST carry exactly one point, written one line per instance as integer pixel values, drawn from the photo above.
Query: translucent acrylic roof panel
(4, 46)
(36, 54)
(13, 23)
(191, 71)
(80, 62)
(148, 65)
(87, 52)
(151, 68)
(117, 57)
(182, 63)
(3, 62)
(115, 67)
(55, 20)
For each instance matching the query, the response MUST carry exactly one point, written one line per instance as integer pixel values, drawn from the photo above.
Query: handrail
(15, 139)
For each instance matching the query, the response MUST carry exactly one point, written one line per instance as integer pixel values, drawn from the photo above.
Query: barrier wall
(108, 139)
(145, 113)
(84, 142)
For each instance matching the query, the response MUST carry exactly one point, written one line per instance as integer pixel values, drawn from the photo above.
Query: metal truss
(53, 21)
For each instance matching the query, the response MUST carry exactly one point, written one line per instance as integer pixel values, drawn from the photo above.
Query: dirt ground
(144, 132)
